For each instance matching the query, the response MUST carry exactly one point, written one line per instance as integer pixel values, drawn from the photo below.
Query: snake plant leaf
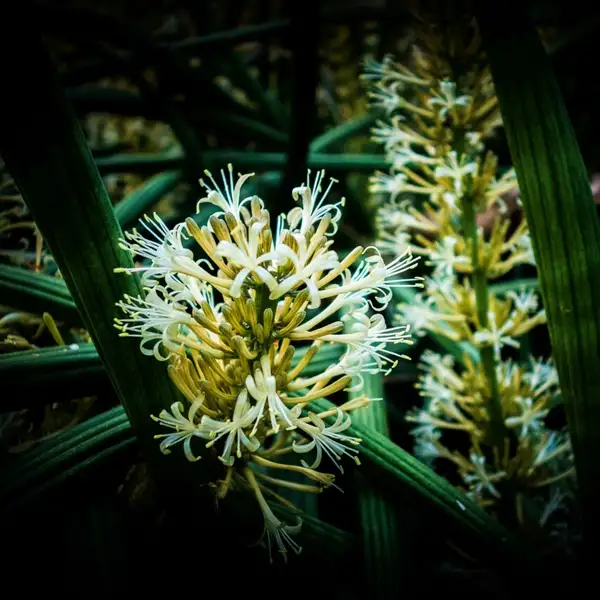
(382, 540)
(45, 375)
(62, 188)
(134, 205)
(395, 469)
(82, 448)
(340, 133)
(515, 285)
(564, 226)
(304, 79)
(267, 105)
(37, 293)
(34, 377)
(241, 159)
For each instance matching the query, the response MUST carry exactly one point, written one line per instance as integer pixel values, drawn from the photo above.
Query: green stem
(480, 285)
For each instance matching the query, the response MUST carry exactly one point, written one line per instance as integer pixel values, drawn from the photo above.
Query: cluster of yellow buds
(240, 324)
(441, 187)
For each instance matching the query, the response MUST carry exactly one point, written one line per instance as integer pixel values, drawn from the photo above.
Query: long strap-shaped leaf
(83, 447)
(44, 149)
(564, 227)
(37, 293)
(134, 205)
(242, 159)
(61, 373)
(382, 538)
(393, 468)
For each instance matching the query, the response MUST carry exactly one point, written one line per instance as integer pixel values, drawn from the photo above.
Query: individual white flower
(554, 503)
(185, 429)
(314, 207)
(552, 444)
(542, 377)
(390, 136)
(326, 439)
(389, 72)
(425, 449)
(525, 301)
(525, 246)
(443, 257)
(157, 320)
(393, 244)
(243, 417)
(375, 70)
(531, 418)
(495, 336)
(433, 388)
(374, 279)
(262, 386)
(418, 313)
(385, 97)
(273, 527)
(228, 199)
(451, 201)
(505, 372)
(480, 480)
(447, 99)
(162, 246)
(445, 285)
(371, 335)
(307, 265)
(456, 171)
(190, 290)
(248, 260)
(404, 156)
(403, 216)
(382, 183)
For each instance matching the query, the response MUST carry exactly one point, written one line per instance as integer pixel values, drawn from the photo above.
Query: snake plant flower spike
(239, 318)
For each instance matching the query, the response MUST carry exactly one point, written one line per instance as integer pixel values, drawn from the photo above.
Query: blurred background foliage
(164, 90)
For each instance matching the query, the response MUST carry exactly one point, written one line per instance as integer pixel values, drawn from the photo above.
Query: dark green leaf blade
(61, 186)
(564, 227)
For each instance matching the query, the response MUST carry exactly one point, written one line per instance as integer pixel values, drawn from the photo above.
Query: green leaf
(42, 469)
(62, 188)
(37, 293)
(387, 549)
(89, 100)
(304, 79)
(241, 159)
(514, 285)
(563, 221)
(134, 205)
(56, 374)
(269, 108)
(395, 469)
(340, 133)
(60, 373)
(230, 37)
(33, 468)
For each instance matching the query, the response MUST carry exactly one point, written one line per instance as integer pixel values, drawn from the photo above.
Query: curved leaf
(564, 226)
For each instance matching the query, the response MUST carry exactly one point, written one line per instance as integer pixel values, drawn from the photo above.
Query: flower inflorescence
(445, 198)
(240, 326)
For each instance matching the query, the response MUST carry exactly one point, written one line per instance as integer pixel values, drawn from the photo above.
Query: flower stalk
(498, 430)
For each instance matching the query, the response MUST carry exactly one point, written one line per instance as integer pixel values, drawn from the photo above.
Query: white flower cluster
(456, 401)
(230, 324)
